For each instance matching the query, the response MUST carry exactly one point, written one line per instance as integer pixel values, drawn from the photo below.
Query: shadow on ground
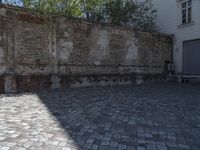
(145, 117)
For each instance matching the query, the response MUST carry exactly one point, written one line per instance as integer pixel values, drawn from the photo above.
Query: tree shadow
(117, 117)
(96, 118)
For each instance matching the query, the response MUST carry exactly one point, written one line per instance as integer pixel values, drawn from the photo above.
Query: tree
(63, 7)
(120, 12)
(139, 15)
(144, 18)
(92, 9)
(12, 2)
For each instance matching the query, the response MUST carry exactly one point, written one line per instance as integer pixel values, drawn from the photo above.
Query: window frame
(186, 12)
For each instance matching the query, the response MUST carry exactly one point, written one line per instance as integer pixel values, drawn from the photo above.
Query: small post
(10, 85)
(55, 82)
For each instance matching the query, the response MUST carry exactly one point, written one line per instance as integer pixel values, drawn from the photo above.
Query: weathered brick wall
(38, 52)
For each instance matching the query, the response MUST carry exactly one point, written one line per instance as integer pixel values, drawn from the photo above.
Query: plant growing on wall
(144, 18)
(92, 10)
(131, 13)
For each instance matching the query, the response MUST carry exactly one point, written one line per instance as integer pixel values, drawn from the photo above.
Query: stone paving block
(62, 144)
(151, 147)
(161, 143)
(106, 139)
(172, 145)
(66, 148)
(121, 147)
(141, 148)
(90, 141)
(142, 117)
(113, 144)
(160, 147)
(183, 146)
(95, 147)
(2, 138)
(141, 141)
(131, 148)
(148, 135)
(103, 147)
(4, 148)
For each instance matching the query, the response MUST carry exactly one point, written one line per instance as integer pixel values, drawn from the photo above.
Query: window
(187, 12)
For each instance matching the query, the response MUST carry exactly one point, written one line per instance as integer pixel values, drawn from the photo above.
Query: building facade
(181, 18)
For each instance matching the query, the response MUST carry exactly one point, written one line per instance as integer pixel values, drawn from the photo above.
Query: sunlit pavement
(145, 117)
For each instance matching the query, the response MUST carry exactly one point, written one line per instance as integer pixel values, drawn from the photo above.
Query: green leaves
(139, 15)
(64, 7)
(92, 9)
(120, 12)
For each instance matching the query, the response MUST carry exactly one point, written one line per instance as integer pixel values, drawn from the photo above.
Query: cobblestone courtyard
(145, 117)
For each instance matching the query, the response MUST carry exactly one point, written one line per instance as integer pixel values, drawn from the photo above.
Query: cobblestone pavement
(145, 117)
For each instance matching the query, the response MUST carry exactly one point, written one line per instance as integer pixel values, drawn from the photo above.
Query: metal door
(191, 57)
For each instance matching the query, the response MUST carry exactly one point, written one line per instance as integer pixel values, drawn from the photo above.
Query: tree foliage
(139, 15)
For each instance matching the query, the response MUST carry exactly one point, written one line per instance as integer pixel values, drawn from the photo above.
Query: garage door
(191, 57)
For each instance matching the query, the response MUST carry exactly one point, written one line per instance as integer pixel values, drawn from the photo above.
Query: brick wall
(38, 52)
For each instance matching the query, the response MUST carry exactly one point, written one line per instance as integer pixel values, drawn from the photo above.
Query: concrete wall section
(169, 21)
(39, 52)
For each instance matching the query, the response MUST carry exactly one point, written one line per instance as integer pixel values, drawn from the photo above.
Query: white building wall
(169, 20)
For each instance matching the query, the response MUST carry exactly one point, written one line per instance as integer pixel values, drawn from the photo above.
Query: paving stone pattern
(145, 117)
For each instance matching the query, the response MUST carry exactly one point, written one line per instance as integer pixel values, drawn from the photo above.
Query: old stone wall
(39, 52)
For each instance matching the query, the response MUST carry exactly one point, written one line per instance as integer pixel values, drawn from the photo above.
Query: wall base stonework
(42, 82)
(110, 80)
(33, 83)
(55, 82)
(1, 84)
(10, 84)
(40, 52)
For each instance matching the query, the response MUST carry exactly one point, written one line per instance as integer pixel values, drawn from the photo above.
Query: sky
(16, 1)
